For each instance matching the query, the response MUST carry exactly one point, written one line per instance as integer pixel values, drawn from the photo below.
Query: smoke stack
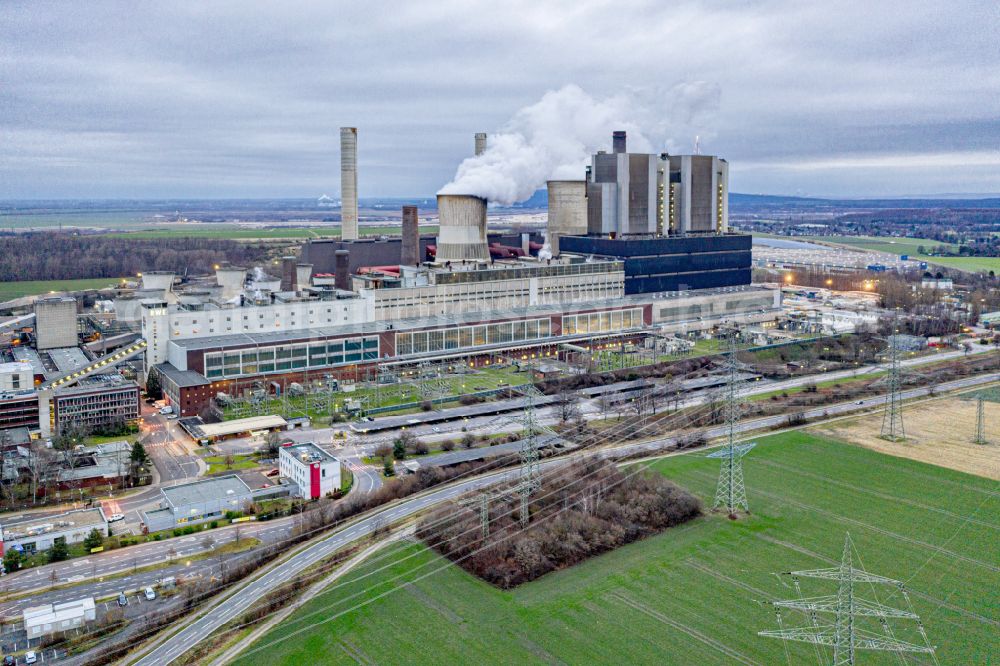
(462, 231)
(303, 275)
(410, 253)
(341, 271)
(567, 211)
(480, 143)
(348, 183)
(618, 141)
(230, 278)
(288, 274)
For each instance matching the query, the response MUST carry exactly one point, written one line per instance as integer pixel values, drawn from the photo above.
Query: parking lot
(14, 640)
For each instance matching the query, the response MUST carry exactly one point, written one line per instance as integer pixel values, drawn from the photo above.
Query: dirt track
(939, 432)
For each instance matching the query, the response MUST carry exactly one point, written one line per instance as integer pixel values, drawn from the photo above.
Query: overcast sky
(244, 99)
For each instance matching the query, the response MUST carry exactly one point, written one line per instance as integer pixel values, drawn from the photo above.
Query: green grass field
(694, 594)
(909, 246)
(9, 290)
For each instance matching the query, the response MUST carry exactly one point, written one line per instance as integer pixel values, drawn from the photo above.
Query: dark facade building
(672, 263)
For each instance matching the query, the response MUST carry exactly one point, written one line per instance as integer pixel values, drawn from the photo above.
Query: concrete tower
(410, 247)
(349, 183)
(462, 233)
(480, 143)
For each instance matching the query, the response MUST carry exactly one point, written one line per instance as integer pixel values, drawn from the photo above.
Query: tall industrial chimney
(480, 143)
(618, 141)
(341, 270)
(462, 232)
(349, 183)
(567, 210)
(410, 252)
(288, 274)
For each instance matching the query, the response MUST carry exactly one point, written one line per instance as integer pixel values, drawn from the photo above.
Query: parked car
(122, 600)
(9, 661)
(150, 594)
(30, 657)
(115, 517)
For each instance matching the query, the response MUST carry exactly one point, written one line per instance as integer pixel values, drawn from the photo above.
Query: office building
(314, 471)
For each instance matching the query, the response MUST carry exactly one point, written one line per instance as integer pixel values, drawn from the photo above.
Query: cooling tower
(158, 280)
(567, 210)
(341, 270)
(480, 143)
(303, 275)
(231, 280)
(462, 233)
(409, 254)
(349, 183)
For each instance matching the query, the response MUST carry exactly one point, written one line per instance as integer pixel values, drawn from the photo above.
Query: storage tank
(303, 275)
(231, 280)
(462, 232)
(158, 280)
(567, 211)
(409, 254)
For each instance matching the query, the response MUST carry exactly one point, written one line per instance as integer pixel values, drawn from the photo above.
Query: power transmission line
(730, 494)
(846, 635)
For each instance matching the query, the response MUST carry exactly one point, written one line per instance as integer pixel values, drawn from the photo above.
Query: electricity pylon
(530, 478)
(730, 494)
(845, 635)
(892, 415)
(980, 422)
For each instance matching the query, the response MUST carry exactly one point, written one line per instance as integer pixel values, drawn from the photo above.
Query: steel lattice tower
(529, 458)
(980, 422)
(730, 494)
(845, 635)
(892, 416)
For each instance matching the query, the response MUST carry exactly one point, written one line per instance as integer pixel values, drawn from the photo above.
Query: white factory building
(313, 470)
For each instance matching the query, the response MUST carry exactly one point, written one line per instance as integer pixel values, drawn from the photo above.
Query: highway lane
(232, 604)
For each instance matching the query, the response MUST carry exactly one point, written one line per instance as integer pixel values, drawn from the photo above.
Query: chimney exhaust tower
(341, 270)
(348, 183)
(288, 275)
(480, 143)
(462, 232)
(410, 250)
(618, 141)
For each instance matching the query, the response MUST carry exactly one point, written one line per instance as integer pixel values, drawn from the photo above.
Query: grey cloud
(239, 99)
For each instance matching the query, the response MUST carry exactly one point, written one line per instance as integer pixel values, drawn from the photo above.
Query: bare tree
(567, 405)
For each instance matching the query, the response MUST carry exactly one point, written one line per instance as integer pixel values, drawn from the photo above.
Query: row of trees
(578, 512)
(61, 256)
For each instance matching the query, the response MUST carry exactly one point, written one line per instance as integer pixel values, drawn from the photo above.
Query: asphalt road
(221, 611)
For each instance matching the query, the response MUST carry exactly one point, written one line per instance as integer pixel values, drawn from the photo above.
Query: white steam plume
(554, 138)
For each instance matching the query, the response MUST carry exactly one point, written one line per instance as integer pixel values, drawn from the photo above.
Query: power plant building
(633, 194)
